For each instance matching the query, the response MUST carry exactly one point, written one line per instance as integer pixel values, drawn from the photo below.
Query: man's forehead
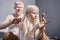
(19, 6)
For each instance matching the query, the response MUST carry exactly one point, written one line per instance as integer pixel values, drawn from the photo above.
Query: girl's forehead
(32, 12)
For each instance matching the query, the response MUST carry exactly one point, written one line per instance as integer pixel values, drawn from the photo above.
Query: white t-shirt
(14, 28)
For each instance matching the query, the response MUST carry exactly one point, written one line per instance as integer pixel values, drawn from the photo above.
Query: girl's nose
(35, 16)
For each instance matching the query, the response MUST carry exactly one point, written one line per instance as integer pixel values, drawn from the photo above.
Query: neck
(31, 20)
(16, 14)
(34, 21)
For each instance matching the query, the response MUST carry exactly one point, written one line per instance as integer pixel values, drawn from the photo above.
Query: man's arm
(5, 25)
(8, 22)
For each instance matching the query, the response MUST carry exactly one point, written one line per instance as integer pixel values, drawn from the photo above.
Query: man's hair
(18, 2)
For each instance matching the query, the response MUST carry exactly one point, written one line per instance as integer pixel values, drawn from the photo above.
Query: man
(13, 22)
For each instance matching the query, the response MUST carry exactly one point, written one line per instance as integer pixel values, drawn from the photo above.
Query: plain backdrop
(52, 10)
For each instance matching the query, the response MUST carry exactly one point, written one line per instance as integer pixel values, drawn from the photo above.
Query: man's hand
(16, 20)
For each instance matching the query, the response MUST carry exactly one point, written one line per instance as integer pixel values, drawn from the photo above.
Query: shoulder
(21, 14)
(9, 16)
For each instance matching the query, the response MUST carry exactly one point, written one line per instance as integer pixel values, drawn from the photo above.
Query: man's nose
(35, 16)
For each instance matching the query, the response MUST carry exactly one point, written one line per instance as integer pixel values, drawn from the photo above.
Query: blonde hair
(18, 2)
(30, 8)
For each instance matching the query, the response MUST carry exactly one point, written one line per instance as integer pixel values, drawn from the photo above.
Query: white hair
(31, 8)
(19, 2)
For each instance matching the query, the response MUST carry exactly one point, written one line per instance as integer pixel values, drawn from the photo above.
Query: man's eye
(18, 7)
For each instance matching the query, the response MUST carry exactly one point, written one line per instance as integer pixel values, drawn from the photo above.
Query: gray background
(52, 10)
(50, 7)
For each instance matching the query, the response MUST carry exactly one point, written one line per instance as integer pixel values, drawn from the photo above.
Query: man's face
(19, 7)
(33, 15)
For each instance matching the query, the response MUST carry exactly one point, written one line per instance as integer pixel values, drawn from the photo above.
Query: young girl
(31, 22)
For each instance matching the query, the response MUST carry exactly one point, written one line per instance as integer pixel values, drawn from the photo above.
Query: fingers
(16, 20)
(41, 24)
